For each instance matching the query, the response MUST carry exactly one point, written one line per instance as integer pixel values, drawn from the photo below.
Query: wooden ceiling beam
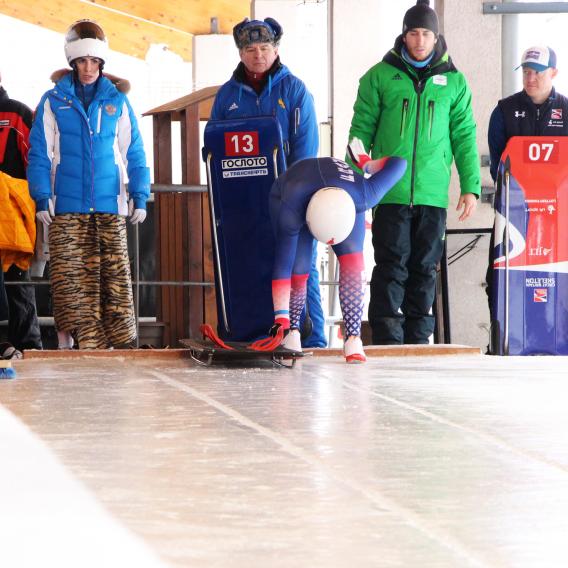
(132, 27)
(192, 16)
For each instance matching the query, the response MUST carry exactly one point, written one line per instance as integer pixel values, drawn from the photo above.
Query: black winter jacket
(517, 115)
(15, 124)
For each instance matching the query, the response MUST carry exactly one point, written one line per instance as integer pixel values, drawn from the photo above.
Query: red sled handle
(268, 343)
(265, 344)
(209, 333)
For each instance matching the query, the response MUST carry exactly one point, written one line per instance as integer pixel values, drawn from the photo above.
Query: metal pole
(216, 245)
(275, 162)
(510, 53)
(506, 323)
(330, 72)
(500, 8)
(445, 294)
(137, 284)
(177, 188)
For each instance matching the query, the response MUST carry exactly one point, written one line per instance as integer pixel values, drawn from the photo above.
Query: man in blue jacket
(537, 110)
(83, 132)
(262, 86)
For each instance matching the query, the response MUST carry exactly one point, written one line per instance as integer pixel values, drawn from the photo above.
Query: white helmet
(85, 38)
(330, 215)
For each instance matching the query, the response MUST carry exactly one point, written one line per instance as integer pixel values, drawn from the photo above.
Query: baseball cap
(538, 58)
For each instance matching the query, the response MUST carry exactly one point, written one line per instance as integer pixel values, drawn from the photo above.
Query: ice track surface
(426, 462)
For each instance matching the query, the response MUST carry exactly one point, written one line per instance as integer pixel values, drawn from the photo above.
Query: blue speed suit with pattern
(289, 198)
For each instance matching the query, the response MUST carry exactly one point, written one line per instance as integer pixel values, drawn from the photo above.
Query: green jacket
(427, 120)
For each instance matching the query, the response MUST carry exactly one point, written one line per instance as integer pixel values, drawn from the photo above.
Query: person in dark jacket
(537, 110)
(84, 135)
(23, 324)
(414, 104)
(262, 86)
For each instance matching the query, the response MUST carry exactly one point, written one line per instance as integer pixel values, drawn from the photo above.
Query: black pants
(23, 325)
(3, 299)
(408, 243)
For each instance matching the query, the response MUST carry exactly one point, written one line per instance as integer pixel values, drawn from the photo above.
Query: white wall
(479, 61)
(214, 59)
(363, 32)
(303, 48)
(545, 29)
(474, 42)
(26, 71)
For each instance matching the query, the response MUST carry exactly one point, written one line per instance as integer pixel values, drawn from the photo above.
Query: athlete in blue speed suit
(289, 198)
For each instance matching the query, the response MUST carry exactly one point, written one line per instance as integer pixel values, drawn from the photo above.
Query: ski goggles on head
(248, 32)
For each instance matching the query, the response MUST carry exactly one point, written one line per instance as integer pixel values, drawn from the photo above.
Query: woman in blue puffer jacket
(83, 137)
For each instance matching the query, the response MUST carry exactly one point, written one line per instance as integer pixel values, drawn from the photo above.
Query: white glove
(46, 217)
(357, 153)
(136, 215)
(64, 340)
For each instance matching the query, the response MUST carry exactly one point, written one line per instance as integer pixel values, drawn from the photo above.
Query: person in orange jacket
(23, 324)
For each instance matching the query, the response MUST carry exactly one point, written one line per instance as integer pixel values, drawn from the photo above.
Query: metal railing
(443, 323)
(443, 331)
(136, 282)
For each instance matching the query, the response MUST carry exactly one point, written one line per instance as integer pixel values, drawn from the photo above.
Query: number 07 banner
(530, 267)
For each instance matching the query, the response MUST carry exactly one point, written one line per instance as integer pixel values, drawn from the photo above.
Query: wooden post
(191, 156)
(163, 174)
(183, 231)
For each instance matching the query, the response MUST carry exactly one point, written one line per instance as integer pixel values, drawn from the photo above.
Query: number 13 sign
(241, 144)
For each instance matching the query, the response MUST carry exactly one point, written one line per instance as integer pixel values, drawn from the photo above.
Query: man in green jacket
(416, 105)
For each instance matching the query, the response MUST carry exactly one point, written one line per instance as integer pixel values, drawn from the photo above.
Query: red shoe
(353, 350)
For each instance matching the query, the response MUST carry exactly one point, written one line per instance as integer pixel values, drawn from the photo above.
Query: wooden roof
(133, 25)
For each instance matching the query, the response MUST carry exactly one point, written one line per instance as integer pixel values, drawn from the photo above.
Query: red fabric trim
(352, 261)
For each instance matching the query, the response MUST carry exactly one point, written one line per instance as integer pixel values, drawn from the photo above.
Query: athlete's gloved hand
(46, 217)
(136, 215)
(273, 332)
(357, 153)
(275, 336)
(280, 321)
(374, 166)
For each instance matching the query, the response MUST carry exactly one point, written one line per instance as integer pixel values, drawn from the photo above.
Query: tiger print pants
(90, 279)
